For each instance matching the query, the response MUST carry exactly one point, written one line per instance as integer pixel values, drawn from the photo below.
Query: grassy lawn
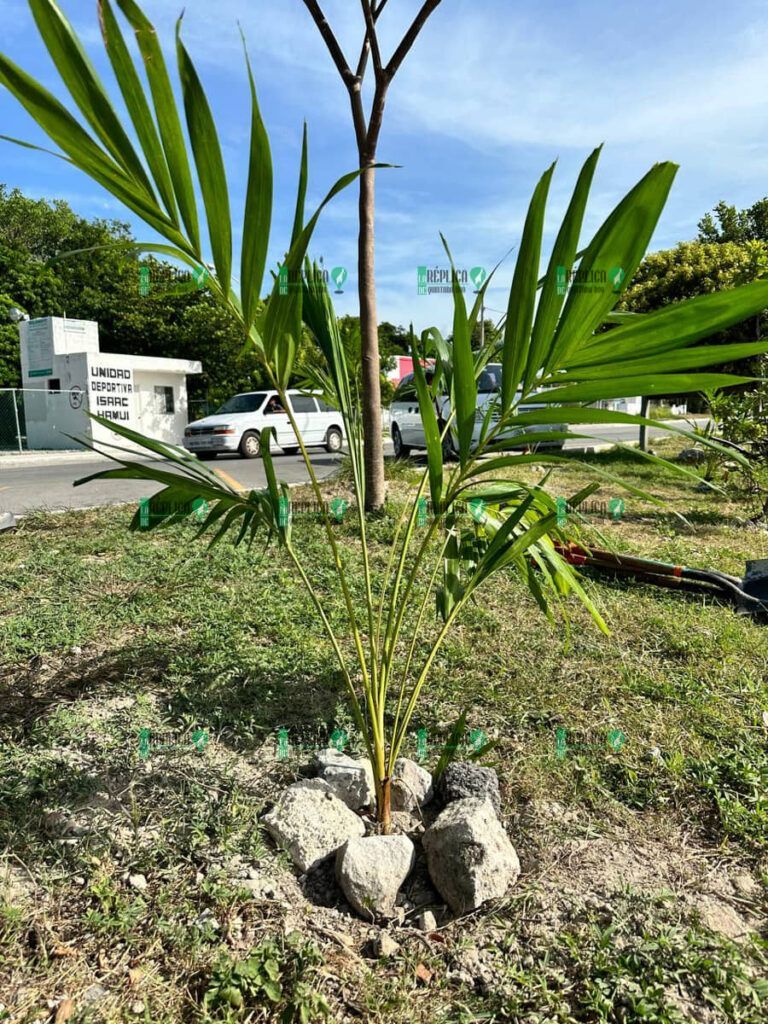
(124, 880)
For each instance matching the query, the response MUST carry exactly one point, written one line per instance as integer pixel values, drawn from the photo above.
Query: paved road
(24, 488)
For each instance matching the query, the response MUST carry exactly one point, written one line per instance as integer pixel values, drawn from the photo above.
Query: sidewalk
(23, 460)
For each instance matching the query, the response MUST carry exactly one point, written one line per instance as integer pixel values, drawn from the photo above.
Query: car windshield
(243, 403)
(490, 378)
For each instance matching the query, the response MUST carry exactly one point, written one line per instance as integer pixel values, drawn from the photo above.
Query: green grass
(171, 637)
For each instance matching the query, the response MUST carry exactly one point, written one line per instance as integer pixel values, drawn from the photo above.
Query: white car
(405, 418)
(237, 425)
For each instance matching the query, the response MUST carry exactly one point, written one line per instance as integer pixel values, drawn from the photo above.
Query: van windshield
(243, 403)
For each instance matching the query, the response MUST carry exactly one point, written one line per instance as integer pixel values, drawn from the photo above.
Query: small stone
(138, 882)
(311, 823)
(385, 945)
(77, 651)
(461, 779)
(260, 887)
(94, 994)
(350, 780)
(253, 885)
(371, 870)
(692, 455)
(469, 855)
(426, 921)
(206, 920)
(406, 823)
(137, 1008)
(746, 886)
(411, 785)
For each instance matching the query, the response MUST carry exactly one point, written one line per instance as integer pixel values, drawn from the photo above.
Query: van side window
(324, 406)
(303, 403)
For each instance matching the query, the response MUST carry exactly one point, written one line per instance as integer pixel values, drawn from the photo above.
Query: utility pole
(644, 403)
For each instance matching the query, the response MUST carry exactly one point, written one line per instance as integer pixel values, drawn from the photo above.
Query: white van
(237, 425)
(405, 418)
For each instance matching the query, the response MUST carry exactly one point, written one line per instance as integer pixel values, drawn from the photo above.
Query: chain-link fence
(39, 419)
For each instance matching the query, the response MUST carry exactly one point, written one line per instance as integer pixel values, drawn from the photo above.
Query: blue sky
(490, 95)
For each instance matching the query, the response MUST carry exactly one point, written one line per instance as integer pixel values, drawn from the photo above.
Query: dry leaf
(63, 951)
(135, 977)
(64, 1010)
(424, 974)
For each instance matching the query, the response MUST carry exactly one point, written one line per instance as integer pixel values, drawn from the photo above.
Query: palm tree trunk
(384, 808)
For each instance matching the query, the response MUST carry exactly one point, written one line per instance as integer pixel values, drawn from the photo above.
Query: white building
(65, 376)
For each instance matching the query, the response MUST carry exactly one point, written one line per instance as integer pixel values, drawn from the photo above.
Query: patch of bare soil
(577, 874)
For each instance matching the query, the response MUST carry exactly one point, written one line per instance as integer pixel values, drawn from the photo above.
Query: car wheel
(333, 440)
(289, 451)
(250, 445)
(402, 451)
(449, 452)
(206, 456)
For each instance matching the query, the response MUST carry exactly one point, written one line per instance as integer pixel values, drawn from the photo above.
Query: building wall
(120, 388)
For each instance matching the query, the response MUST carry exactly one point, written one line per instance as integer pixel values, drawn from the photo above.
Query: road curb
(25, 460)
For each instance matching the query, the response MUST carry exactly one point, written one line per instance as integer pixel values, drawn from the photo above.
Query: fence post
(16, 417)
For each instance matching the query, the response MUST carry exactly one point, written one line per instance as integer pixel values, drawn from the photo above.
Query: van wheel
(333, 440)
(250, 445)
(402, 451)
(206, 456)
(289, 451)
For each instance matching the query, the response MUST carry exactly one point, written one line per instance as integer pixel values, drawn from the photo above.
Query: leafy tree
(727, 224)
(310, 356)
(698, 268)
(34, 288)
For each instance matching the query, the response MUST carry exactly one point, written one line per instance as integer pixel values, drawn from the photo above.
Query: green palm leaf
(522, 295)
(167, 115)
(258, 209)
(209, 162)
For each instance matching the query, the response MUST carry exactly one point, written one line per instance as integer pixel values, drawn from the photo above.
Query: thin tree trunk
(367, 135)
(369, 338)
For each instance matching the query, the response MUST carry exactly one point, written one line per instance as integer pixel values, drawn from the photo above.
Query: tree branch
(371, 38)
(409, 38)
(337, 55)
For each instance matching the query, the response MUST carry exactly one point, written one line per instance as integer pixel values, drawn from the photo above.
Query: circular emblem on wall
(76, 397)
